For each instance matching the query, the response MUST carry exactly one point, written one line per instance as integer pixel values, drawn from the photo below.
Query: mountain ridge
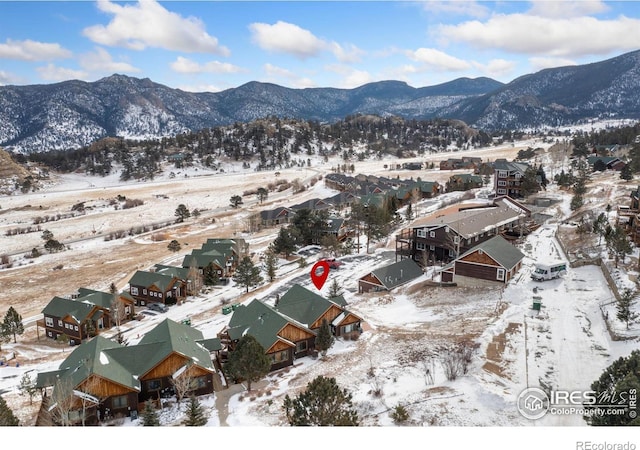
(74, 113)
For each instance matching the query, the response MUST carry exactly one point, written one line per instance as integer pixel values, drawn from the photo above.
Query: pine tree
(248, 361)
(247, 274)
(174, 246)
(624, 307)
(195, 414)
(285, 242)
(7, 418)
(271, 263)
(620, 378)
(323, 403)
(182, 213)
(335, 290)
(324, 339)
(12, 324)
(149, 415)
(210, 275)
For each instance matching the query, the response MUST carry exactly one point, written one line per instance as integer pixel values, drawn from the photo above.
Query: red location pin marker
(319, 276)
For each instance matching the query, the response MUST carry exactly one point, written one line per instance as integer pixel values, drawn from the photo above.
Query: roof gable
(500, 250)
(398, 273)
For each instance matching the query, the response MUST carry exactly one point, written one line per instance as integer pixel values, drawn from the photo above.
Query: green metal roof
(62, 307)
(172, 271)
(499, 249)
(398, 273)
(303, 305)
(259, 320)
(148, 279)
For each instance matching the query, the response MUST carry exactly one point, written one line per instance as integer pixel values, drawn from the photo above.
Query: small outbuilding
(389, 277)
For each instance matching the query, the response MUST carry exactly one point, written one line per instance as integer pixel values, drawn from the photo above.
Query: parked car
(333, 263)
(160, 307)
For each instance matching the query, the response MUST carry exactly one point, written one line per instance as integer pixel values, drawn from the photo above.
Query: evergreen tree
(409, 213)
(285, 242)
(599, 166)
(335, 290)
(182, 213)
(620, 377)
(195, 414)
(262, 194)
(12, 324)
(626, 173)
(27, 387)
(529, 183)
(174, 246)
(248, 361)
(247, 274)
(624, 307)
(324, 339)
(7, 418)
(235, 201)
(271, 263)
(618, 243)
(210, 275)
(149, 415)
(323, 403)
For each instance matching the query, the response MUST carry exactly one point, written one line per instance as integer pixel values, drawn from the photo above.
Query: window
(153, 385)
(502, 174)
(144, 291)
(500, 274)
(75, 327)
(420, 246)
(518, 176)
(119, 402)
(432, 234)
(59, 322)
(349, 328)
(279, 357)
(50, 334)
(502, 183)
(456, 239)
(127, 309)
(133, 290)
(199, 382)
(451, 253)
(502, 191)
(421, 233)
(48, 321)
(301, 346)
(432, 247)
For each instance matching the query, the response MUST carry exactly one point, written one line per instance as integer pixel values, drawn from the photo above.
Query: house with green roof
(155, 287)
(311, 310)
(389, 277)
(495, 260)
(463, 182)
(120, 378)
(222, 255)
(85, 314)
(282, 337)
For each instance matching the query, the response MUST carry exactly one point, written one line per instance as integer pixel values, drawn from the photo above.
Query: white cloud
(201, 88)
(535, 35)
(438, 60)
(458, 8)
(276, 74)
(51, 72)
(351, 78)
(496, 68)
(350, 54)
(565, 9)
(29, 50)
(539, 63)
(148, 24)
(8, 78)
(101, 61)
(286, 37)
(186, 65)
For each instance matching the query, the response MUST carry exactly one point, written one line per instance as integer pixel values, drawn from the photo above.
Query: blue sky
(214, 45)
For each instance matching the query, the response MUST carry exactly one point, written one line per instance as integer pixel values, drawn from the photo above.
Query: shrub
(399, 414)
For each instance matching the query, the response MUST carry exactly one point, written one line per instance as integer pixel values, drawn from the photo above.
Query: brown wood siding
(102, 388)
(446, 277)
(279, 346)
(480, 258)
(166, 367)
(349, 319)
(330, 314)
(293, 333)
(476, 271)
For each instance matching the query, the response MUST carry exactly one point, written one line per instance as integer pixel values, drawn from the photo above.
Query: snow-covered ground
(565, 345)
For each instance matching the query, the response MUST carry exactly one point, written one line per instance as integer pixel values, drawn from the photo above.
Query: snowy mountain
(560, 96)
(73, 114)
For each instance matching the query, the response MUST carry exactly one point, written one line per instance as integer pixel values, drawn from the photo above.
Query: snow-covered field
(565, 345)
